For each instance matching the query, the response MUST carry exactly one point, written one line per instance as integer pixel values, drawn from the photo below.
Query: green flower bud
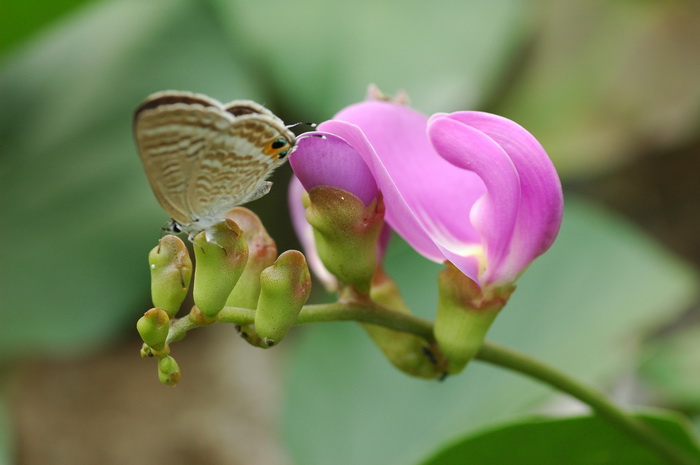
(346, 234)
(409, 353)
(220, 262)
(262, 253)
(168, 371)
(146, 351)
(171, 271)
(464, 315)
(153, 327)
(285, 287)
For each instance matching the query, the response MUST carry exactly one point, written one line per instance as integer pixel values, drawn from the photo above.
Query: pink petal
(323, 159)
(539, 209)
(428, 200)
(494, 215)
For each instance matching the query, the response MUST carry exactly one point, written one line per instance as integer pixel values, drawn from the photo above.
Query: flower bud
(464, 315)
(153, 327)
(221, 254)
(285, 287)
(171, 272)
(409, 353)
(262, 253)
(346, 233)
(168, 371)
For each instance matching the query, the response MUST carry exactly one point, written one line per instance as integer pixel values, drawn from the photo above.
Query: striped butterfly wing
(202, 158)
(235, 164)
(170, 135)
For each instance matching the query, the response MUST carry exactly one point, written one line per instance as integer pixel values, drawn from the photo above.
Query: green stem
(636, 428)
(368, 311)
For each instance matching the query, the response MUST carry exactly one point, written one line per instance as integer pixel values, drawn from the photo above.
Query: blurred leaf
(609, 81)
(20, 18)
(446, 54)
(582, 307)
(78, 217)
(574, 441)
(6, 424)
(672, 364)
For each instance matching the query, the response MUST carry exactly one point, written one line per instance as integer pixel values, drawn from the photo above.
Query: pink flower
(471, 188)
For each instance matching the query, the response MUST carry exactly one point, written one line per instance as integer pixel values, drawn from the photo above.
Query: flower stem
(368, 311)
(634, 427)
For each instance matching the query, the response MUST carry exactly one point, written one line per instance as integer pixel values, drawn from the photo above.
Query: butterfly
(202, 157)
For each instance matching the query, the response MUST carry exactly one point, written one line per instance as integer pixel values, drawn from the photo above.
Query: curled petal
(525, 179)
(494, 214)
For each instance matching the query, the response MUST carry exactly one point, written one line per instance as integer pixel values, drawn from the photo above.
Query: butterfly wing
(172, 129)
(203, 158)
(235, 164)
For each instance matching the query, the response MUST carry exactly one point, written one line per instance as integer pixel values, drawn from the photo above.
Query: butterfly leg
(210, 239)
(190, 237)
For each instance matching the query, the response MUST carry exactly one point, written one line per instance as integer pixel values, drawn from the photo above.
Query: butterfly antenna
(306, 135)
(300, 123)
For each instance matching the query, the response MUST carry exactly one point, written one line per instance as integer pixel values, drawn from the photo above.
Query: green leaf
(585, 440)
(20, 18)
(78, 217)
(582, 307)
(671, 365)
(446, 54)
(7, 439)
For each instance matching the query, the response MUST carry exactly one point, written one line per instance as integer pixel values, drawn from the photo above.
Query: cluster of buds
(236, 268)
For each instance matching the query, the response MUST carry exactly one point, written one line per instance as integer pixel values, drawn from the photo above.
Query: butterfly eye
(279, 143)
(278, 147)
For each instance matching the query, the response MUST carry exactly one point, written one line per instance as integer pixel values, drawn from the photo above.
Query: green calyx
(464, 316)
(409, 353)
(171, 272)
(346, 233)
(221, 255)
(153, 328)
(285, 287)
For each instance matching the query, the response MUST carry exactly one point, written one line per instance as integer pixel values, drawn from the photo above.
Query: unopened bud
(285, 287)
(153, 327)
(464, 316)
(171, 272)
(262, 252)
(346, 233)
(221, 254)
(146, 351)
(409, 353)
(168, 371)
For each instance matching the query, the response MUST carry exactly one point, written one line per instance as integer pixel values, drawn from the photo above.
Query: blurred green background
(609, 88)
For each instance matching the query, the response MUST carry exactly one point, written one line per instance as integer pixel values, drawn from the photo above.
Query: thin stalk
(634, 427)
(368, 311)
